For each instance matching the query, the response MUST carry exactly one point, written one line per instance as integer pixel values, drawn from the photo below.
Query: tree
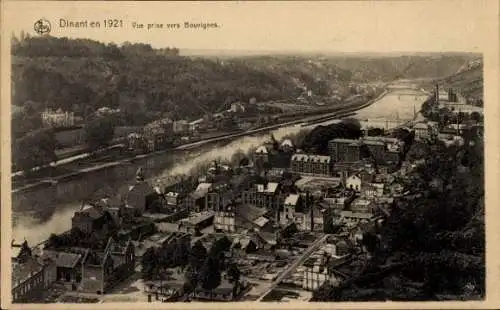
(210, 274)
(197, 255)
(475, 116)
(35, 149)
(375, 131)
(25, 252)
(180, 254)
(191, 279)
(99, 132)
(53, 241)
(149, 263)
(234, 275)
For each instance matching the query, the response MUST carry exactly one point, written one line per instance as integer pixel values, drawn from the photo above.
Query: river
(40, 212)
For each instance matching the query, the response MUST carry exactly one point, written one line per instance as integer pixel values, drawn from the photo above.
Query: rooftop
(63, 259)
(341, 140)
(271, 187)
(196, 218)
(292, 199)
(311, 158)
(358, 215)
(261, 149)
(287, 142)
(201, 190)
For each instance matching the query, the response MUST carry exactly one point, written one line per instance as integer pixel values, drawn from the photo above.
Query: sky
(332, 26)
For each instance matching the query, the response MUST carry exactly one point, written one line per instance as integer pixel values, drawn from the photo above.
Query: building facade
(58, 119)
(314, 165)
(344, 150)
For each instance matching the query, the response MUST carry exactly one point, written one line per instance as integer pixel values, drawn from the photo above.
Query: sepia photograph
(238, 152)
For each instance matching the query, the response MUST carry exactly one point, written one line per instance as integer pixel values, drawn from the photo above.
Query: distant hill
(403, 67)
(468, 81)
(81, 74)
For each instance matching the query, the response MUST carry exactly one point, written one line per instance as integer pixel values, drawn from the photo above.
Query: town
(278, 225)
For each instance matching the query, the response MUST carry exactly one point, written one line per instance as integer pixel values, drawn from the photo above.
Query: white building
(58, 118)
(288, 214)
(353, 182)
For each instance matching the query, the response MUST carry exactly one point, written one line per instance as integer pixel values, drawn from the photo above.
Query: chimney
(310, 206)
(437, 94)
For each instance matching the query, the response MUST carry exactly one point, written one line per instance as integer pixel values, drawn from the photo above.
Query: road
(300, 260)
(66, 160)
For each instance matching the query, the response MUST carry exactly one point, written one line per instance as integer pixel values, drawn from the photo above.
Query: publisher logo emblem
(42, 27)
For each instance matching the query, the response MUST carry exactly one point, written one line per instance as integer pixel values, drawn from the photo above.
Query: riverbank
(104, 165)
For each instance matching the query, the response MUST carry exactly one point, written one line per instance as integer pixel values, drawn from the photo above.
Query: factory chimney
(437, 94)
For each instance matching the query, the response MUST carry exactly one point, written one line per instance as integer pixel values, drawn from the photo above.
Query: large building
(58, 119)
(101, 270)
(377, 150)
(291, 210)
(266, 195)
(91, 219)
(158, 134)
(314, 165)
(344, 150)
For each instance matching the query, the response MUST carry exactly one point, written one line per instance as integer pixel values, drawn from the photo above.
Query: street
(300, 260)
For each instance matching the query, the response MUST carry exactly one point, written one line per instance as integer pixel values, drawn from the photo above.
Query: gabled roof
(341, 140)
(64, 259)
(261, 149)
(271, 187)
(292, 199)
(92, 211)
(287, 142)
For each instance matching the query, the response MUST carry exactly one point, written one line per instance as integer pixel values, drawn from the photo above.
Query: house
(376, 148)
(313, 219)
(196, 222)
(196, 125)
(223, 293)
(291, 210)
(218, 197)
(136, 141)
(372, 190)
(261, 154)
(237, 107)
(139, 194)
(315, 165)
(353, 182)
(196, 201)
(240, 217)
(58, 119)
(287, 145)
(158, 135)
(92, 218)
(263, 195)
(68, 265)
(180, 127)
(344, 150)
(391, 157)
(351, 217)
(422, 131)
(339, 203)
(103, 269)
(362, 206)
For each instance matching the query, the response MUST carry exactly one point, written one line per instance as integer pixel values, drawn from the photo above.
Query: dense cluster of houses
(163, 133)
